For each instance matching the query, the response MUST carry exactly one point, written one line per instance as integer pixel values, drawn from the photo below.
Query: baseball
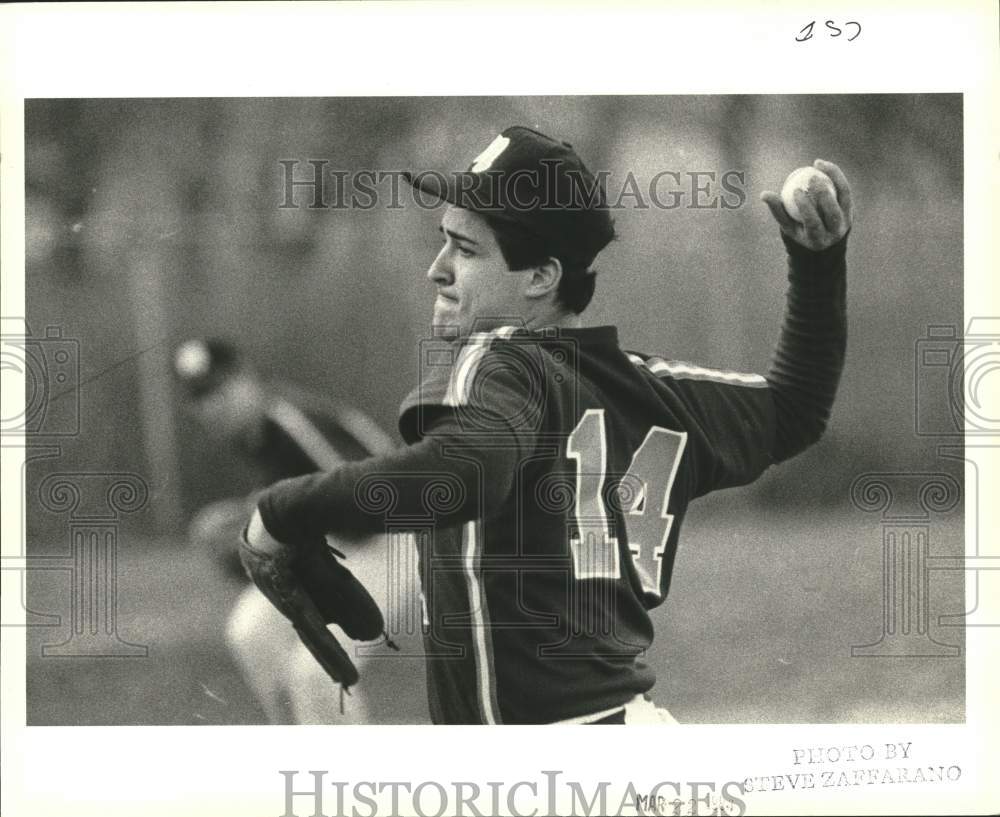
(808, 179)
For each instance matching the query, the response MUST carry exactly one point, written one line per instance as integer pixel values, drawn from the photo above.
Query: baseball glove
(311, 588)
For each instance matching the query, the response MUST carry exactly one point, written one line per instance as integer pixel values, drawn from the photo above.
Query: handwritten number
(833, 30)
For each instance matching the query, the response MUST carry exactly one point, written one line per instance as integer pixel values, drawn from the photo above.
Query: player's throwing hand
(825, 218)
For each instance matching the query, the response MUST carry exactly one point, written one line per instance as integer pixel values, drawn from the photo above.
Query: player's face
(475, 288)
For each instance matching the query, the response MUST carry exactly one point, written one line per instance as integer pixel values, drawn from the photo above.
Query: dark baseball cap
(532, 180)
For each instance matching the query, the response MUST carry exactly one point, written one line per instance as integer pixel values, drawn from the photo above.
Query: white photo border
(256, 49)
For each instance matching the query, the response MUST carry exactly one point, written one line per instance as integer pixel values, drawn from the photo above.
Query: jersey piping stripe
(464, 371)
(688, 371)
(308, 437)
(481, 642)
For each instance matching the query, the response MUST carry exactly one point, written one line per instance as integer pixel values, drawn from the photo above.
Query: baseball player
(556, 466)
(278, 434)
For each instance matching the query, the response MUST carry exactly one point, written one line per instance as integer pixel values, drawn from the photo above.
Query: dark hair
(522, 249)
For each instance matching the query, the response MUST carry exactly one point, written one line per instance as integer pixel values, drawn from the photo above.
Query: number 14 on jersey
(643, 495)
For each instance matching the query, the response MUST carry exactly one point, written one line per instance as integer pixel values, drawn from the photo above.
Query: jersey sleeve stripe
(482, 647)
(688, 371)
(464, 371)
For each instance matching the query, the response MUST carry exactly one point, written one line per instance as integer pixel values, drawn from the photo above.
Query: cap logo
(485, 160)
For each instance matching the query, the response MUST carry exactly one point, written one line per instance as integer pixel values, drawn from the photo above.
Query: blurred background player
(277, 431)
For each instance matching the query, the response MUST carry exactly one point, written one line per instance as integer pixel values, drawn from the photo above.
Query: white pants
(639, 710)
(290, 684)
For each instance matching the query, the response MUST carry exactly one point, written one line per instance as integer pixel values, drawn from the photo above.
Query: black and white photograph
(251, 291)
(343, 417)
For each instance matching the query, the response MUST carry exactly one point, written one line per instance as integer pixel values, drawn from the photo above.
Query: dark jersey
(548, 592)
(550, 473)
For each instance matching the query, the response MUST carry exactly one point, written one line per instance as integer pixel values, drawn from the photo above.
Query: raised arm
(809, 357)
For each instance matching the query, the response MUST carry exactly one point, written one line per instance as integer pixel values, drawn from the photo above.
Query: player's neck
(555, 319)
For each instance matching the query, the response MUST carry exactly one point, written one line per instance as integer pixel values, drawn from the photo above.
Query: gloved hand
(311, 588)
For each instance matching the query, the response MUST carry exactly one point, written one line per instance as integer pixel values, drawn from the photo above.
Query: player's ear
(544, 278)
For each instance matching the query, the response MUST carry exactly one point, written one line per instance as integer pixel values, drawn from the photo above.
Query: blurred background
(151, 221)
